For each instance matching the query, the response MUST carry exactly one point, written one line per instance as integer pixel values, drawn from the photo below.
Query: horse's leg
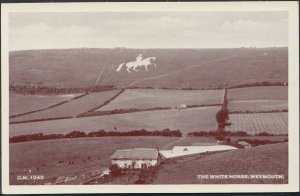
(146, 68)
(134, 68)
(128, 70)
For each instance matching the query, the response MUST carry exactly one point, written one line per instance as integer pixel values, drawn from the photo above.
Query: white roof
(188, 150)
(136, 154)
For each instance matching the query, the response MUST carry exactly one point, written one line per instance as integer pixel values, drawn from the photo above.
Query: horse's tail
(120, 66)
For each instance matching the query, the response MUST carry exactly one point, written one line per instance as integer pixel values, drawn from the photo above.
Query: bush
(115, 170)
(220, 137)
(75, 134)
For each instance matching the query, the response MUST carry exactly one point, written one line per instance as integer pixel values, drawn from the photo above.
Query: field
(52, 158)
(276, 123)
(77, 158)
(257, 105)
(19, 104)
(151, 98)
(176, 68)
(70, 109)
(267, 159)
(187, 120)
(259, 93)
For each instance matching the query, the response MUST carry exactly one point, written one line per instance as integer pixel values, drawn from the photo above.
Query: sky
(147, 30)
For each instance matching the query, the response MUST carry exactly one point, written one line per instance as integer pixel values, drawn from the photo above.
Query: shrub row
(260, 111)
(44, 89)
(218, 133)
(101, 133)
(265, 83)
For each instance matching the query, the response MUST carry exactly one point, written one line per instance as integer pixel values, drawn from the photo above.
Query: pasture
(52, 158)
(257, 105)
(19, 104)
(176, 68)
(276, 123)
(70, 109)
(259, 93)
(267, 159)
(193, 119)
(151, 98)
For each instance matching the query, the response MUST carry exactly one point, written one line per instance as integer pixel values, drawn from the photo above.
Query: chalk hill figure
(138, 63)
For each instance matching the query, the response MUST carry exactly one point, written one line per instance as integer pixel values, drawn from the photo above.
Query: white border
(291, 7)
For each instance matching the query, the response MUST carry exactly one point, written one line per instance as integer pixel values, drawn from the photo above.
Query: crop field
(267, 159)
(259, 93)
(257, 105)
(19, 104)
(193, 119)
(70, 109)
(151, 98)
(276, 123)
(52, 158)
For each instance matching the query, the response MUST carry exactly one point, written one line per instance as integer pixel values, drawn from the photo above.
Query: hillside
(261, 160)
(196, 68)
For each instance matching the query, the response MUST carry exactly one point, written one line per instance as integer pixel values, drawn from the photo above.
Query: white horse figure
(134, 64)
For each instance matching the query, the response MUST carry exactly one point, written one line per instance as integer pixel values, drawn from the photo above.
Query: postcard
(143, 97)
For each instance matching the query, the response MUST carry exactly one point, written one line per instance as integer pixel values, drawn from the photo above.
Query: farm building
(189, 150)
(136, 158)
(181, 106)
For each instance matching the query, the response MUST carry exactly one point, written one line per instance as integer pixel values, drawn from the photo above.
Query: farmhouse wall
(137, 163)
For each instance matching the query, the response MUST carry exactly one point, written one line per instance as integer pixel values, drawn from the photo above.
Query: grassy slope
(189, 67)
(267, 159)
(150, 98)
(56, 154)
(19, 104)
(186, 120)
(72, 108)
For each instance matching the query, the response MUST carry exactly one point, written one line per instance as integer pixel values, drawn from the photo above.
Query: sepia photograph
(165, 94)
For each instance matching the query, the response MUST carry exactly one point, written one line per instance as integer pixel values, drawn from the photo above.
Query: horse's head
(152, 58)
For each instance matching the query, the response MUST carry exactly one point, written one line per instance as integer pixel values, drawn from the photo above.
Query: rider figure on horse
(139, 58)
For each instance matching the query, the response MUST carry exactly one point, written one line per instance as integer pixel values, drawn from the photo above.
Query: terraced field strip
(69, 109)
(193, 119)
(159, 98)
(259, 93)
(25, 104)
(276, 123)
(257, 105)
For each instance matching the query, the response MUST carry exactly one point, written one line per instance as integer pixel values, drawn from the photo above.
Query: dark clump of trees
(101, 133)
(222, 116)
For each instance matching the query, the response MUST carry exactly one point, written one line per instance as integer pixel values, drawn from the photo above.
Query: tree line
(39, 89)
(100, 133)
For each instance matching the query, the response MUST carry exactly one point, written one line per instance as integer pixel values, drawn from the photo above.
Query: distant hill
(176, 68)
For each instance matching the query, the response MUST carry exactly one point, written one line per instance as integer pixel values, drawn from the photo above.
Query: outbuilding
(135, 158)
